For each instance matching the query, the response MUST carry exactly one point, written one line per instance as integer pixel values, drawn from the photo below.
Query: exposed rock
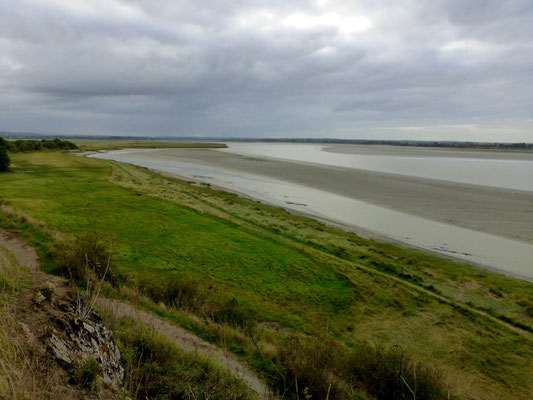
(75, 339)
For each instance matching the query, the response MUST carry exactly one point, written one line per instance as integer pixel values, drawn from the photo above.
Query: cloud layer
(352, 69)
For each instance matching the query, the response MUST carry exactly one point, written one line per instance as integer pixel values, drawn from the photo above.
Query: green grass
(13, 276)
(291, 271)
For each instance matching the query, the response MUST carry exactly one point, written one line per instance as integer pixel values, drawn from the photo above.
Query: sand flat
(416, 151)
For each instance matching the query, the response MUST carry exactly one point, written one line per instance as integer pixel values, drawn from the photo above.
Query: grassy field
(289, 273)
(115, 144)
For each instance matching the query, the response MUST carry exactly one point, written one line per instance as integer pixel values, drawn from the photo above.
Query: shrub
(386, 374)
(86, 259)
(4, 158)
(86, 373)
(323, 368)
(180, 290)
(237, 314)
(48, 290)
(308, 364)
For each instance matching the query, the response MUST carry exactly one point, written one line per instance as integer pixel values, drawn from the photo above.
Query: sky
(398, 69)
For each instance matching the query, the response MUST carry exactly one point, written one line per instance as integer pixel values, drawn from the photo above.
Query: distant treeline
(398, 142)
(421, 143)
(17, 146)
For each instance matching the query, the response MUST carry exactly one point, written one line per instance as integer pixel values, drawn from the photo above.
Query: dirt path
(26, 255)
(188, 341)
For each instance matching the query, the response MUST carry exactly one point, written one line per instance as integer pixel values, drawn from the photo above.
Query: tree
(4, 158)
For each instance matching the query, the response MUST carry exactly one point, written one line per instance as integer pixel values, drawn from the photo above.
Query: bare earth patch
(25, 254)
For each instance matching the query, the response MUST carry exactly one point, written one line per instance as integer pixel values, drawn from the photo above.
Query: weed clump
(308, 364)
(322, 368)
(180, 290)
(86, 373)
(85, 259)
(386, 374)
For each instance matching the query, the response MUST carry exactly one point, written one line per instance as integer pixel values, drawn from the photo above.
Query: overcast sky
(250, 68)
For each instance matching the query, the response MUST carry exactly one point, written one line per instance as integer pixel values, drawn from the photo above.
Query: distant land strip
(399, 142)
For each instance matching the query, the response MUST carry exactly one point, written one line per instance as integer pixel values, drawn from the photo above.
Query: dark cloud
(396, 69)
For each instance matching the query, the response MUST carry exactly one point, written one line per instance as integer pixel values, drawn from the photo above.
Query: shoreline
(358, 230)
(349, 227)
(169, 162)
(507, 213)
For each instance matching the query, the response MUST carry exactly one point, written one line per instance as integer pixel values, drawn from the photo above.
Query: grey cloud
(239, 68)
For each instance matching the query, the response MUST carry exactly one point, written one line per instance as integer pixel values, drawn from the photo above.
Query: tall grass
(313, 365)
(322, 368)
(156, 369)
(85, 259)
(12, 275)
(199, 295)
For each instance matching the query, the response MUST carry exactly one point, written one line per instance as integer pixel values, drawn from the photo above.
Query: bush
(180, 290)
(320, 367)
(86, 259)
(86, 373)
(238, 315)
(4, 158)
(306, 366)
(386, 374)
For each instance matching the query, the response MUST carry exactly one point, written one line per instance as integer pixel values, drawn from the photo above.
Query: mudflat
(503, 212)
(416, 151)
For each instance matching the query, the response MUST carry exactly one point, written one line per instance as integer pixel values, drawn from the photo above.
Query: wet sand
(415, 151)
(502, 212)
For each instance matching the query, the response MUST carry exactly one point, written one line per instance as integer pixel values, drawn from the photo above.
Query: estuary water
(244, 168)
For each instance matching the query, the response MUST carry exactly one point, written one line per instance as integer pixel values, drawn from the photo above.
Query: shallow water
(497, 169)
(510, 256)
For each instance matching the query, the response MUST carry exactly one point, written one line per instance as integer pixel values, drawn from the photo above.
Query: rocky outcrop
(77, 338)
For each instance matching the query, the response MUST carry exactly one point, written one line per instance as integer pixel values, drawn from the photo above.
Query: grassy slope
(26, 374)
(18, 379)
(291, 270)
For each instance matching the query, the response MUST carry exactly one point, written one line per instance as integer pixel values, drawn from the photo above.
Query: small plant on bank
(86, 373)
(87, 258)
(48, 290)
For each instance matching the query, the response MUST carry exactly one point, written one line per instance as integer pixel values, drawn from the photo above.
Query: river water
(494, 169)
